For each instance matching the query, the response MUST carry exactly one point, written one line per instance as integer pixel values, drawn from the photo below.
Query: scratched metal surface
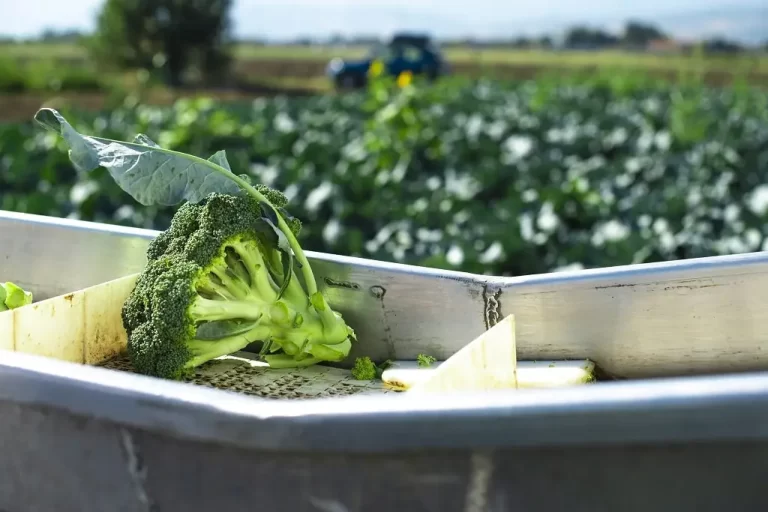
(688, 317)
(99, 467)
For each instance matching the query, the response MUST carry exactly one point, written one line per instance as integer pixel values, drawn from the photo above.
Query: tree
(721, 45)
(586, 38)
(639, 34)
(171, 38)
(64, 36)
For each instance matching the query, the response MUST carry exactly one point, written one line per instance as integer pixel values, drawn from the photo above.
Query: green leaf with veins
(150, 174)
(156, 176)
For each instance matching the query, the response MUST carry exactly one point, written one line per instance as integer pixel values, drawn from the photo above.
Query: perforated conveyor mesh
(243, 374)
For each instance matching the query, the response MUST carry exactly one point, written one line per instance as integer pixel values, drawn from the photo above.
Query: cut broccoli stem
(208, 310)
(233, 284)
(260, 280)
(208, 289)
(205, 350)
(332, 325)
(236, 265)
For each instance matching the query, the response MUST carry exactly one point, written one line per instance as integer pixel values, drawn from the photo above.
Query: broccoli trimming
(425, 361)
(365, 369)
(224, 275)
(13, 296)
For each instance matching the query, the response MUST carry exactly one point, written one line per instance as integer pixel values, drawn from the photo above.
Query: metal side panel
(123, 442)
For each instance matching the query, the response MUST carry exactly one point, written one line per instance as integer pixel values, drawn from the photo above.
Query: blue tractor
(404, 52)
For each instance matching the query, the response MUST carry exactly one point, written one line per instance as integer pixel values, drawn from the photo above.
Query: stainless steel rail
(705, 315)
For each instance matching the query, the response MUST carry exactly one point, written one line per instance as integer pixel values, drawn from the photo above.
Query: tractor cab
(414, 53)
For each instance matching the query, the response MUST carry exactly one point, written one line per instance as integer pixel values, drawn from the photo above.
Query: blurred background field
(530, 153)
(31, 71)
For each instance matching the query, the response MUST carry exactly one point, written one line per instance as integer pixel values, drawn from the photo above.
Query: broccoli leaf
(150, 174)
(156, 176)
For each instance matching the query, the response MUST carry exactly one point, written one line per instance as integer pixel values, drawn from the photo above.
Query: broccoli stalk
(13, 296)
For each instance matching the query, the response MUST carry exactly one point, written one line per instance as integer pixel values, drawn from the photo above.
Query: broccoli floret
(215, 283)
(366, 369)
(13, 296)
(424, 360)
(185, 221)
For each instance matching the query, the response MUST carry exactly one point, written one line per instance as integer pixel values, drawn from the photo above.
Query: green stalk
(260, 280)
(205, 350)
(213, 310)
(306, 269)
(234, 285)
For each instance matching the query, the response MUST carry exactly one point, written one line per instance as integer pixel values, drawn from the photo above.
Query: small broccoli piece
(366, 369)
(13, 296)
(215, 283)
(424, 360)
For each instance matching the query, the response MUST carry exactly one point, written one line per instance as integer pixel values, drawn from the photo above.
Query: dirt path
(20, 107)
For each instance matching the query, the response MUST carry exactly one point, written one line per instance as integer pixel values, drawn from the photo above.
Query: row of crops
(485, 177)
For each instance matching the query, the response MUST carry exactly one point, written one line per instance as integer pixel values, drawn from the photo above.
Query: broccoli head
(216, 281)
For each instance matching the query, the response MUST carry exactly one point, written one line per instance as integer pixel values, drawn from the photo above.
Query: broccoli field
(480, 176)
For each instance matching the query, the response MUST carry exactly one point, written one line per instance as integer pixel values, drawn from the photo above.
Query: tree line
(190, 41)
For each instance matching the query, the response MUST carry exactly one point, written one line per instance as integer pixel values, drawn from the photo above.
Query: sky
(281, 19)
